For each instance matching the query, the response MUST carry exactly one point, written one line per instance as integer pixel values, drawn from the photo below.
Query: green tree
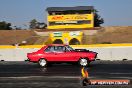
(5, 26)
(97, 19)
(33, 24)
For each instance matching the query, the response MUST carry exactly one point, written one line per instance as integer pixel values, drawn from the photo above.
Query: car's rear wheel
(84, 62)
(42, 62)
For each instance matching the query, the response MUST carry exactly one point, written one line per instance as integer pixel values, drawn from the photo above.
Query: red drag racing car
(61, 53)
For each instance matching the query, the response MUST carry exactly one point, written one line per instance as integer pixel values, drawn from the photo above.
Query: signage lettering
(68, 17)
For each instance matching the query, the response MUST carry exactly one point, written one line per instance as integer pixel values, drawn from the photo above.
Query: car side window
(66, 50)
(59, 48)
(49, 49)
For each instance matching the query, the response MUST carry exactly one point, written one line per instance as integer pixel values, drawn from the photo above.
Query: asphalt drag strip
(29, 75)
(39, 82)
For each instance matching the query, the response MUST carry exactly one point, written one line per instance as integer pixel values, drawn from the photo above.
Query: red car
(61, 53)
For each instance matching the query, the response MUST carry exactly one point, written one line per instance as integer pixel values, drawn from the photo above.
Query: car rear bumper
(27, 60)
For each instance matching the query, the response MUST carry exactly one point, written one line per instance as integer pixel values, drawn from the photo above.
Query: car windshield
(69, 48)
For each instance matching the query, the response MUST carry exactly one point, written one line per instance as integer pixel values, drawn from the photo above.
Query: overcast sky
(20, 12)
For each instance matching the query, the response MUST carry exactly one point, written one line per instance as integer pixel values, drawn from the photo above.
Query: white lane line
(25, 77)
(66, 77)
(111, 77)
(121, 73)
(113, 73)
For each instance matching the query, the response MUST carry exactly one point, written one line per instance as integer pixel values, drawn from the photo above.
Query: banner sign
(74, 33)
(57, 34)
(69, 17)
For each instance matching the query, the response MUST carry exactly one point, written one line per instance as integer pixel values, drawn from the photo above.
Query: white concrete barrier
(104, 52)
(113, 53)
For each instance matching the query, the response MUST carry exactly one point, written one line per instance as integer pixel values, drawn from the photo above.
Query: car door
(63, 54)
(58, 52)
(49, 53)
(70, 55)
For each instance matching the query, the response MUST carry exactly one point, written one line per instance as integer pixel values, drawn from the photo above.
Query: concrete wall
(17, 54)
(105, 52)
(113, 53)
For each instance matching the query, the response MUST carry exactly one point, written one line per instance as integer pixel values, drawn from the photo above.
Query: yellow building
(70, 17)
(71, 38)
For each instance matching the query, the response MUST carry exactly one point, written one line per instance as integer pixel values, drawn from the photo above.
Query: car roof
(57, 45)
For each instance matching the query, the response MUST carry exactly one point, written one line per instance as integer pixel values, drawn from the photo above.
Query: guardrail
(105, 51)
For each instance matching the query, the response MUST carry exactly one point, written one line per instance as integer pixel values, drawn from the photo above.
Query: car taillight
(28, 54)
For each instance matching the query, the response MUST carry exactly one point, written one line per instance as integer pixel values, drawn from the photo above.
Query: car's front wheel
(42, 62)
(84, 62)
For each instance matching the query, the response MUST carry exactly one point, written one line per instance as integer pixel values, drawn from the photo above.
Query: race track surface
(30, 75)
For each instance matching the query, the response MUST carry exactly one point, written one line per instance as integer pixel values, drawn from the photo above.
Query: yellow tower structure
(72, 38)
(70, 17)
